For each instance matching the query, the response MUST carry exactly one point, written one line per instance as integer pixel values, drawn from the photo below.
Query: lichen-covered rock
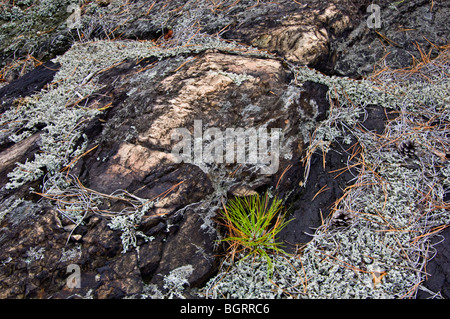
(406, 27)
(129, 152)
(302, 33)
(36, 27)
(194, 245)
(32, 241)
(115, 159)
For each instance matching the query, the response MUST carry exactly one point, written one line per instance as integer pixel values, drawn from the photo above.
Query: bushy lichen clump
(391, 93)
(248, 279)
(34, 254)
(176, 281)
(127, 225)
(174, 285)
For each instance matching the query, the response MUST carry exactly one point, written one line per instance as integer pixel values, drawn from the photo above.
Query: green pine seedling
(253, 222)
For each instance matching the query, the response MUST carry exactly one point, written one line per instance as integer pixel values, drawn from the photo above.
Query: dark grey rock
(403, 27)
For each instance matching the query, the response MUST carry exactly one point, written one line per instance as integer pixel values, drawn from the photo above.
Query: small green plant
(253, 223)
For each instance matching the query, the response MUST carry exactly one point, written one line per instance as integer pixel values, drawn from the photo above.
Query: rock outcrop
(133, 199)
(132, 150)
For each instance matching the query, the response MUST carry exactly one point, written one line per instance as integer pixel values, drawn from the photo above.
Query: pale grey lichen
(175, 285)
(127, 225)
(34, 254)
(176, 281)
(56, 107)
(149, 291)
(248, 279)
(26, 25)
(71, 254)
(237, 78)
